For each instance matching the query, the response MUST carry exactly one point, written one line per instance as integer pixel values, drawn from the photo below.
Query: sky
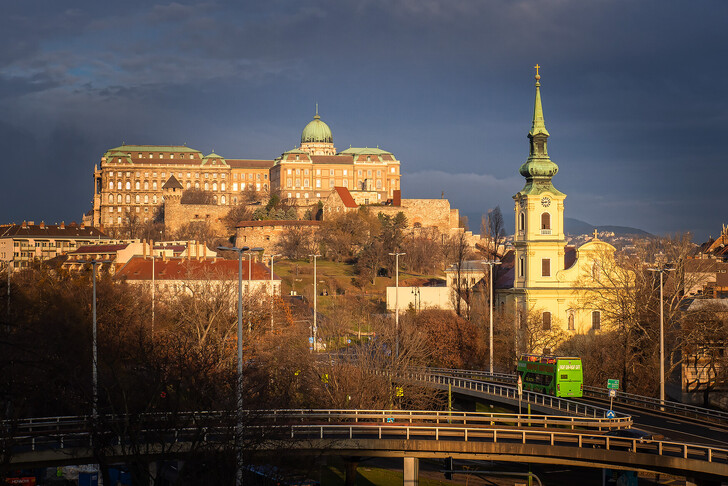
(633, 96)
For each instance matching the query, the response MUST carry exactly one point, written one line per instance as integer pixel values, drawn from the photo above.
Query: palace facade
(129, 180)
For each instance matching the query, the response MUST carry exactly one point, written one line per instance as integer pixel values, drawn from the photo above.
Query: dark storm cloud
(632, 92)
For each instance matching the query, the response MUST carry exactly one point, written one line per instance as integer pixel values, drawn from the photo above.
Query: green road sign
(613, 384)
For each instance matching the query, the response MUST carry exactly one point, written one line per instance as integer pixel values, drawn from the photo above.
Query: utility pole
(661, 268)
(315, 299)
(490, 263)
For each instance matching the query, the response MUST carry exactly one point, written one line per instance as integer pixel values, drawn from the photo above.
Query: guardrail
(405, 431)
(510, 392)
(691, 411)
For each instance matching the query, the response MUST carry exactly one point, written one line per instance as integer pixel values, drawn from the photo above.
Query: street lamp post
(315, 299)
(239, 384)
(271, 288)
(661, 268)
(250, 252)
(396, 301)
(490, 263)
(94, 343)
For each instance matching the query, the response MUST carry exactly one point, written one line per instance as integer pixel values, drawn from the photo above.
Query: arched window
(214, 186)
(188, 184)
(197, 185)
(111, 198)
(118, 185)
(545, 221)
(154, 199)
(570, 320)
(222, 186)
(137, 199)
(222, 199)
(128, 185)
(546, 320)
(111, 184)
(136, 185)
(128, 198)
(146, 198)
(214, 199)
(521, 221)
(146, 185)
(207, 186)
(154, 185)
(596, 320)
(118, 198)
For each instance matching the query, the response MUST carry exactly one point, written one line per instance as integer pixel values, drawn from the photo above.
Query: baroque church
(543, 278)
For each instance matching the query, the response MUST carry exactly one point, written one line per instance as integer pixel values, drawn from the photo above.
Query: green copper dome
(317, 131)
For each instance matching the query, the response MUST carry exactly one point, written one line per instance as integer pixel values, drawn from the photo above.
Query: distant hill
(573, 226)
(577, 227)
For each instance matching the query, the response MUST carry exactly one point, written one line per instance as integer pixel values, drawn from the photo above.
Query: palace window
(111, 184)
(546, 321)
(222, 186)
(545, 267)
(111, 198)
(214, 186)
(118, 199)
(128, 199)
(222, 199)
(596, 320)
(137, 199)
(136, 185)
(305, 183)
(154, 185)
(379, 183)
(331, 172)
(146, 185)
(146, 198)
(257, 186)
(345, 172)
(189, 184)
(318, 183)
(207, 186)
(118, 185)
(197, 185)
(346, 182)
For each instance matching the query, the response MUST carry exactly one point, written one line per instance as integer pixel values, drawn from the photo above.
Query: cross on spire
(595, 233)
(537, 67)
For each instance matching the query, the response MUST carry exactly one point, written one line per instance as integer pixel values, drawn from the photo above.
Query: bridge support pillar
(411, 471)
(351, 464)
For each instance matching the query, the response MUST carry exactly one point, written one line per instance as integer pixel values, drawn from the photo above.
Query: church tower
(539, 210)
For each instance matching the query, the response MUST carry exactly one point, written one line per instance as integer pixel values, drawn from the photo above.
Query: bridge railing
(677, 408)
(511, 392)
(399, 430)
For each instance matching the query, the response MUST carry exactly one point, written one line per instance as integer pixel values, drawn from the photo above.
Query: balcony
(545, 231)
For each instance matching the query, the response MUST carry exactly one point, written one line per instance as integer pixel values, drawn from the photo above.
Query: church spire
(538, 169)
(538, 126)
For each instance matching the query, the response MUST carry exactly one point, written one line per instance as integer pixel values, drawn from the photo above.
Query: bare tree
(492, 229)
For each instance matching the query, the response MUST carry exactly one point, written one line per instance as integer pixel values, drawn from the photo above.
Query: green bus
(552, 375)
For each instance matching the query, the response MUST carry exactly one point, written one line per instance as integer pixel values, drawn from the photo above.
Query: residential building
(25, 243)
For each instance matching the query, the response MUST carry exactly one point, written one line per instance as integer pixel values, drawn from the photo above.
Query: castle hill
(388, 269)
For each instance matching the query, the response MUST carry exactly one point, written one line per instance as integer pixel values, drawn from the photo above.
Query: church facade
(545, 285)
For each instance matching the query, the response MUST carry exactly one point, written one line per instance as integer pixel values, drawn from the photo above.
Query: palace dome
(317, 131)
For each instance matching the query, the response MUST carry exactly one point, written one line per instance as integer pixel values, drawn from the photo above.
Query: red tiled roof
(50, 231)
(98, 249)
(139, 268)
(332, 159)
(346, 198)
(277, 222)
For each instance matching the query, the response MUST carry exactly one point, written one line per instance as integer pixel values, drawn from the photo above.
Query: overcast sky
(634, 96)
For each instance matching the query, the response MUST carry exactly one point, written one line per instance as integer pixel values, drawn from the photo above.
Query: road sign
(613, 384)
(612, 393)
(310, 340)
(611, 414)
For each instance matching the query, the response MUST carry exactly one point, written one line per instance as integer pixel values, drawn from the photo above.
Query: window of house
(545, 267)
(137, 199)
(214, 186)
(331, 172)
(222, 199)
(146, 198)
(521, 221)
(235, 186)
(346, 182)
(318, 171)
(391, 170)
(111, 198)
(127, 199)
(146, 185)
(331, 183)
(118, 199)
(522, 267)
(305, 183)
(136, 185)
(298, 182)
(596, 320)
(379, 183)
(154, 185)
(207, 186)
(111, 184)
(546, 321)
(546, 221)
(197, 185)
(188, 184)
(118, 185)
(257, 186)
(369, 173)
(318, 183)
